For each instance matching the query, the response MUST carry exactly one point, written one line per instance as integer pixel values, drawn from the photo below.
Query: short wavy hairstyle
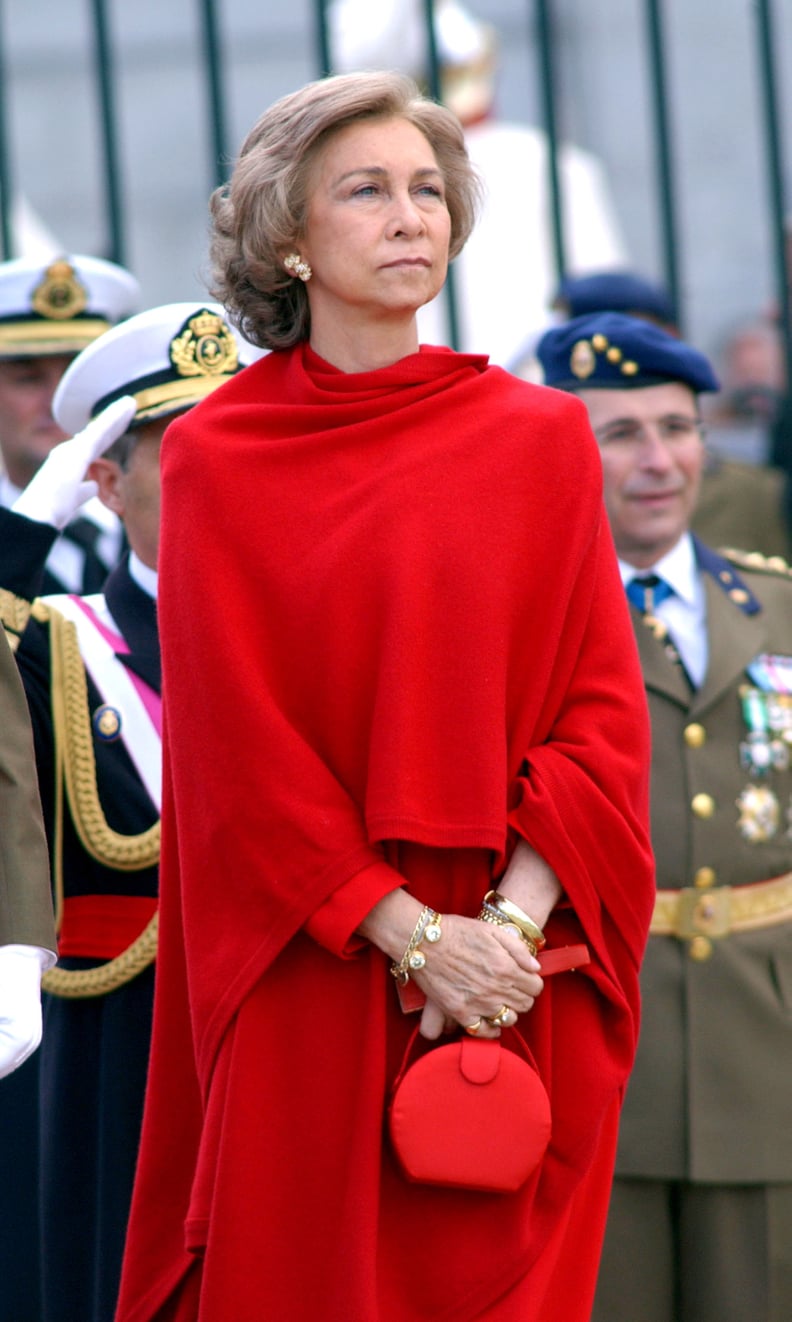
(261, 213)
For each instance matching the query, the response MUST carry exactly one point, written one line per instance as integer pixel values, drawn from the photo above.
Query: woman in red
(398, 673)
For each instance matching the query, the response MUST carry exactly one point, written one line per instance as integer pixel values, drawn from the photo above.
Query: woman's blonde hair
(260, 214)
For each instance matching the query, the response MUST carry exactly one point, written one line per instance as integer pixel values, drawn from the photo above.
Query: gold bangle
(426, 929)
(490, 915)
(516, 915)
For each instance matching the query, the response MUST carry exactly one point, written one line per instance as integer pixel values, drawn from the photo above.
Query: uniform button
(695, 735)
(700, 948)
(704, 877)
(703, 805)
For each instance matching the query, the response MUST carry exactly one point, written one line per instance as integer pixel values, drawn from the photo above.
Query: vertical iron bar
(105, 80)
(435, 90)
(323, 39)
(772, 121)
(665, 172)
(547, 82)
(6, 201)
(213, 58)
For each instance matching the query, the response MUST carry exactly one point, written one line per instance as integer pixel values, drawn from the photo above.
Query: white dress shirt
(685, 612)
(145, 578)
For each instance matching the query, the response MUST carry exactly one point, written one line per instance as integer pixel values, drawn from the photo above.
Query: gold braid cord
(72, 726)
(79, 983)
(75, 762)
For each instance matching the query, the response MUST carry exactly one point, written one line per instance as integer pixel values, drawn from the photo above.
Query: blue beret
(615, 352)
(615, 291)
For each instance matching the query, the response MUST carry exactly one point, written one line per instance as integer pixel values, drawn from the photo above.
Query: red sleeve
(581, 799)
(334, 924)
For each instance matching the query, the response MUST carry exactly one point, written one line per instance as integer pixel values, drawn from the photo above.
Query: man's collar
(677, 567)
(145, 578)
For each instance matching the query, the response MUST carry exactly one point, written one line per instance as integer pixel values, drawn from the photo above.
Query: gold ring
(500, 1020)
(474, 1027)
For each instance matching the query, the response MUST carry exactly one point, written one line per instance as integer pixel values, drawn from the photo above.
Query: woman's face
(378, 227)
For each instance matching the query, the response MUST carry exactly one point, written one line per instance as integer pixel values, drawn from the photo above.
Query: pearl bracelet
(426, 929)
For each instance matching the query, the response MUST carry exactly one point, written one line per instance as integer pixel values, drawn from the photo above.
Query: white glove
(20, 1004)
(60, 486)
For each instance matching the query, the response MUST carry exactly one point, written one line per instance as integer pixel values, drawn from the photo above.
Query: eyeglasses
(672, 428)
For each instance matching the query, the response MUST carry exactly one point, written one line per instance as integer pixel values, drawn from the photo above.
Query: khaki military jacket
(25, 902)
(710, 1098)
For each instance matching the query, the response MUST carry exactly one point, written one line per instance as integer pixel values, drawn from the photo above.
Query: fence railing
(541, 17)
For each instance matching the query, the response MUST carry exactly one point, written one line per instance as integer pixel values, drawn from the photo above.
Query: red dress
(394, 640)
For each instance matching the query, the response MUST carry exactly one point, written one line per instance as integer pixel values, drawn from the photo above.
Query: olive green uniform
(701, 1218)
(25, 898)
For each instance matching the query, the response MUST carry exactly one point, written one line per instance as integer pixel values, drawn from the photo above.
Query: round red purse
(470, 1115)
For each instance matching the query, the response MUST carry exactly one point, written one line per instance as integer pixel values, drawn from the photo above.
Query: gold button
(704, 877)
(695, 735)
(700, 948)
(703, 805)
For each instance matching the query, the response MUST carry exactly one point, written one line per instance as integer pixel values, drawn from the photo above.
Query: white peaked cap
(61, 304)
(168, 358)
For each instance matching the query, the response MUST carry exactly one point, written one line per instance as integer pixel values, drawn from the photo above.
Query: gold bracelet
(426, 929)
(490, 915)
(514, 914)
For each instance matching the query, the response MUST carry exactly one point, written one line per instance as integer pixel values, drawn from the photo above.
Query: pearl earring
(296, 266)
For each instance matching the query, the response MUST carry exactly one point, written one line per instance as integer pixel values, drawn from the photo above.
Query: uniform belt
(103, 926)
(717, 912)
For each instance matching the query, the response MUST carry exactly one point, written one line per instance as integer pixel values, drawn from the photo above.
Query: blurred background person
(741, 495)
(49, 311)
(505, 275)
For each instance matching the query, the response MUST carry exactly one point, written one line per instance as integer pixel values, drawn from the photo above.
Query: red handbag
(470, 1115)
(474, 1114)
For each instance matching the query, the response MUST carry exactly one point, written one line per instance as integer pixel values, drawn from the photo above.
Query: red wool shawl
(389, 610)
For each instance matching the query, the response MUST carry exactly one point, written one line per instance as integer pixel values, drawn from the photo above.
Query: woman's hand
(472, 973)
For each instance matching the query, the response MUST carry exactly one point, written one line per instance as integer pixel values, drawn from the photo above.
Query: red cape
(390, 612)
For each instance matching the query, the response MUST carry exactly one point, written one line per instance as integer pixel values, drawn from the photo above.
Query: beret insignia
(582, 360)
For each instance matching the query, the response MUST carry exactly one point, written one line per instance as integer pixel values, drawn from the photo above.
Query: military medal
(772, 673)
(756, 751)
(106, 722)
(762, 751)
(760, 814)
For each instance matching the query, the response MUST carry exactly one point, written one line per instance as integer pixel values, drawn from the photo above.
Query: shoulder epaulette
(15, 612)
(756, 561)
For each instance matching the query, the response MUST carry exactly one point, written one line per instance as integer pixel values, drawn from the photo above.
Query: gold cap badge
(59, 295)
(582, 360)
(206, 347)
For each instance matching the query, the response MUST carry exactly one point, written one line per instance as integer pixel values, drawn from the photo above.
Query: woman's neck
(365, 348)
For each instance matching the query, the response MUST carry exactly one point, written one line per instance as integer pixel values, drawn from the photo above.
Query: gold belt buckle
(704, 913)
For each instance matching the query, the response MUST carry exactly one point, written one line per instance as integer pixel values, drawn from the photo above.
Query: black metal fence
(542, 15)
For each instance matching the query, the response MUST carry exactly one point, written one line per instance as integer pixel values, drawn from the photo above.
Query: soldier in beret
(700, 1224)
(90, 666)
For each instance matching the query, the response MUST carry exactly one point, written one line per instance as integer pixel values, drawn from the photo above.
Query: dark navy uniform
(93, 1058)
